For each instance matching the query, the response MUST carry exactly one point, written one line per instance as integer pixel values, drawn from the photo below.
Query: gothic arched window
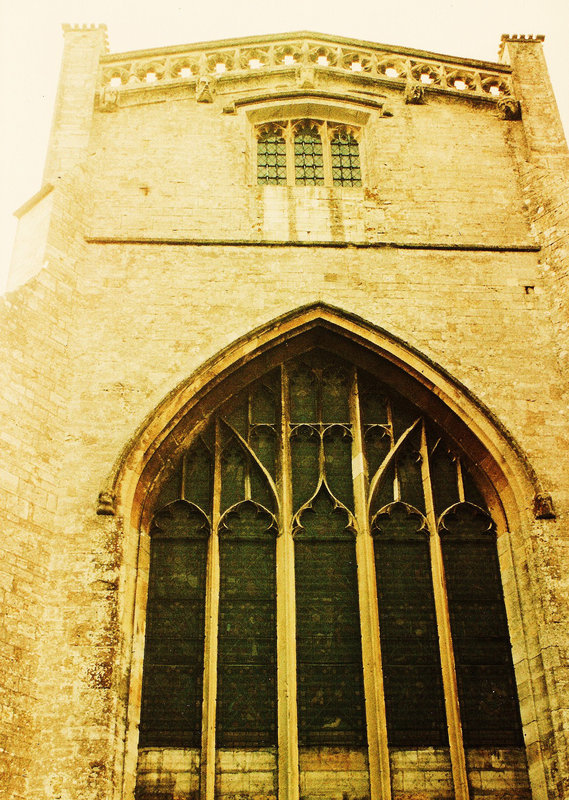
(323, 580)
(271, 156)
(308, 152)
(308, 156)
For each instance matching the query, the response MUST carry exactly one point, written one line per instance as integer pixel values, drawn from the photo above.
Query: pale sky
(31, 45)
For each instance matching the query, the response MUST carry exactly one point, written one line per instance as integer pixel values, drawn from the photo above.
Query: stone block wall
(157, 251)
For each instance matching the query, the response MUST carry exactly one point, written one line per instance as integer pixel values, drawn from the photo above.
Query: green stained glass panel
(345, 160)
(173, 663)
(271, 160)
(308, 159)
(486, 685)
(246, 708)
(329, 662)
(409, 641)
(338, 464)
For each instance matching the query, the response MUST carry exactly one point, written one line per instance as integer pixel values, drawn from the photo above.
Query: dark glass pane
(173, 662)
(443, 479)
(233, 470)
(264, 443)
(345, 160)
(335, 395)
(264, 402)
(329, 663)
(410, 476)
(199, 476)
(305, 448)
(303, 395)
(385, 491)
(471, 491)
(260, 490)
(338, 464)
(246, 705)
(377, 446)
(414, 706)
(237, 416)
(373, 401)
(486, 685)
(171, 489)
(268, 147)
(308, 159)
(403, 415)
(408, 629)
(171, 705)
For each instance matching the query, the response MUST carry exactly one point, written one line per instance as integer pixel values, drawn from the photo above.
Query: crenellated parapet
(520, 38)
(73, 28)
(304, 56)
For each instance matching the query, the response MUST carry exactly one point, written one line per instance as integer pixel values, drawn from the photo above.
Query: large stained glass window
(320, 484)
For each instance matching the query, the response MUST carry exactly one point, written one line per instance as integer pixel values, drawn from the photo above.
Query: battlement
(90, 26)
(519, 37)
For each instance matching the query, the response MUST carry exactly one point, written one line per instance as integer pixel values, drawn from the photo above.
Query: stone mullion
(450, 686)
(378, 752)
(288, 134)
(288, 768)
(207, 761)
(326, 135)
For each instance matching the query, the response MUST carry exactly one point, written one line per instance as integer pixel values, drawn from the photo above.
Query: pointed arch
(164, 432)
(501, 470)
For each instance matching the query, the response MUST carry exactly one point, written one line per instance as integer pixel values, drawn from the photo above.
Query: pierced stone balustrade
(384, 65)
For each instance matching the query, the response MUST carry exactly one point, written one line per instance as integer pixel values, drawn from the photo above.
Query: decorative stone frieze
(310, 56)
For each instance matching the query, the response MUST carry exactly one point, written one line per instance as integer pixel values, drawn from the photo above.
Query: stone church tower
(284, 477)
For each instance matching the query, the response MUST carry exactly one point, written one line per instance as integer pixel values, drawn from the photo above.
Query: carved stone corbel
(106, 504)
(509, 108)
(205, 89)
(108, 99)
(414, 93)
(543, 506)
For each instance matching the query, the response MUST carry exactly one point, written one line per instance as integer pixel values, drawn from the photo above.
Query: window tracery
(308, 152)
(322, 455)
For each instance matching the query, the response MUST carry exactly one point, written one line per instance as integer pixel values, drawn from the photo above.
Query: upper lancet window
(308, 153)
(307, 481)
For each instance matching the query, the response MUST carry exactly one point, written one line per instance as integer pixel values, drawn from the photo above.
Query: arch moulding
(469, 422)
(504, 474)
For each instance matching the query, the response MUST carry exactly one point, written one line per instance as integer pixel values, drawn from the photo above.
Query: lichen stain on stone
(99, 676)
(372, 193)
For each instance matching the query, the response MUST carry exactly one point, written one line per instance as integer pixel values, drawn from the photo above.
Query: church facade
(284, 481)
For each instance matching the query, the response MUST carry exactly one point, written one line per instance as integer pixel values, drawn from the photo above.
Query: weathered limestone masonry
(152, 263)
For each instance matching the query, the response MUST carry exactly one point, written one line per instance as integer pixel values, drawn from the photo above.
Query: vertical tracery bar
(378, 753)
(286, 617)
(457, 755)
(207, 763)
